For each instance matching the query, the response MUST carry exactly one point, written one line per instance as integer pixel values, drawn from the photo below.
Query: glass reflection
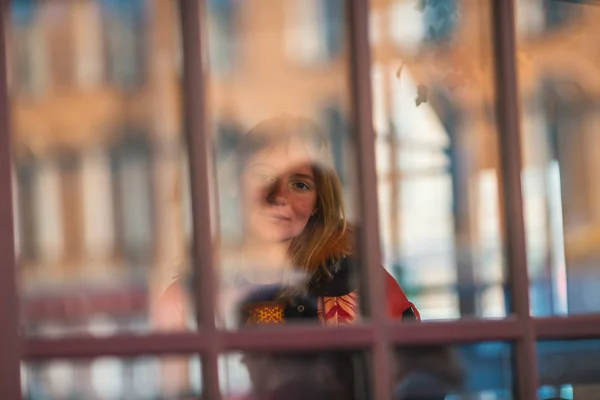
(292, 259)
(98, 160)
(569, 369)
(426, 372)
(324, 375)
(284, 180)
(480, 371)
(109, 378)
(437, 155)
(560, 150)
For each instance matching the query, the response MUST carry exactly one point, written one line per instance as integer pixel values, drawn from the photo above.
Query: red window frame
(378, 334)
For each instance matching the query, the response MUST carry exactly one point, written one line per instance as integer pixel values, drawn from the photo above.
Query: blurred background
(102, 206)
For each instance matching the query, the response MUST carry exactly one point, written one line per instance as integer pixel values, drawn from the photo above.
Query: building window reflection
(566, 110)
(26, 174)
(71, 201)
(124, 27)
(337, 127)
(222, 25)
(314, 30)
(27, 48)
(557, 13)
(88, 43)
(131, 176)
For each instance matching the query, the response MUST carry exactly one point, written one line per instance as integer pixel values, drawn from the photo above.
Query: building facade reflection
(102, 205)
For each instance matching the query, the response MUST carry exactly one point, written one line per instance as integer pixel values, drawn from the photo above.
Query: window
(559, 115)
(222, 23)
(438, 184)
(530, 17)
(337, 130)
(131, 167)
(28, 48)
(559, 13)
(60, 43)
(315, 31)
(442, 175)
(26, 195)
(124, 24)
(69, 181)
(334, 26)
(536, 18)
(98, 207)
(567, 108)
(87, 25)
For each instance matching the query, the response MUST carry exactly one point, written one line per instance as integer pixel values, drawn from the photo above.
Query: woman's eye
(301, 186)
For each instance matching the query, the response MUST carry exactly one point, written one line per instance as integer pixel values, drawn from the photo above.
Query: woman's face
(279, 191)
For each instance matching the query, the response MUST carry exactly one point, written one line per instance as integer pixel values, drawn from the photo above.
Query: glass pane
(99, 163)
(319, 376)
(569, 369)
(482, 371)
(560, 118)
(111, 378)
(285, 187)
(279, 108)
(437, 155)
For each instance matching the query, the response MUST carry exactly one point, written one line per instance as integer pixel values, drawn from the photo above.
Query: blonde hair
(326, 237)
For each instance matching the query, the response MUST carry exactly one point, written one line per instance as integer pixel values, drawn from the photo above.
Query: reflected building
(434, 113)
(97, 118)
(98, 152)
(100, 181)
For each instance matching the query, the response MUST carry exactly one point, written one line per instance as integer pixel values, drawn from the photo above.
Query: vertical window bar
(200, 158)
(368, 235)
(507, 114)
(10, 381)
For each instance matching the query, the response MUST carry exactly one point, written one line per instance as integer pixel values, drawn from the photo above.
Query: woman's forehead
(292, 154)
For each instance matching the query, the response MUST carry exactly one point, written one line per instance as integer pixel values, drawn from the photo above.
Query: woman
(294, 257)
(294, 228)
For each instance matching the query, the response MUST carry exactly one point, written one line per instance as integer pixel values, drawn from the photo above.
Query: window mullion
(368, 234)
(10, 383)
(508, 123)
(194, 89)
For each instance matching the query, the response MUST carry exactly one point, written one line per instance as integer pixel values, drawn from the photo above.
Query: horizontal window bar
(270, 339)
(303, 337)
(573, 327)
(463, 331)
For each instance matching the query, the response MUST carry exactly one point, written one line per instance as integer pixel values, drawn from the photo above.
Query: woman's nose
(277, 193)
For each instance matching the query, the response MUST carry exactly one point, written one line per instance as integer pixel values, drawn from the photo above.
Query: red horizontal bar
(565, 328)
(455, 332)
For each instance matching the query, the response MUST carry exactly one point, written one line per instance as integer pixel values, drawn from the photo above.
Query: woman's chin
(276, 236)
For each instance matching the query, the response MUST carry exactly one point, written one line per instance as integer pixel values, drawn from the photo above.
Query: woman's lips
(279, 217)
